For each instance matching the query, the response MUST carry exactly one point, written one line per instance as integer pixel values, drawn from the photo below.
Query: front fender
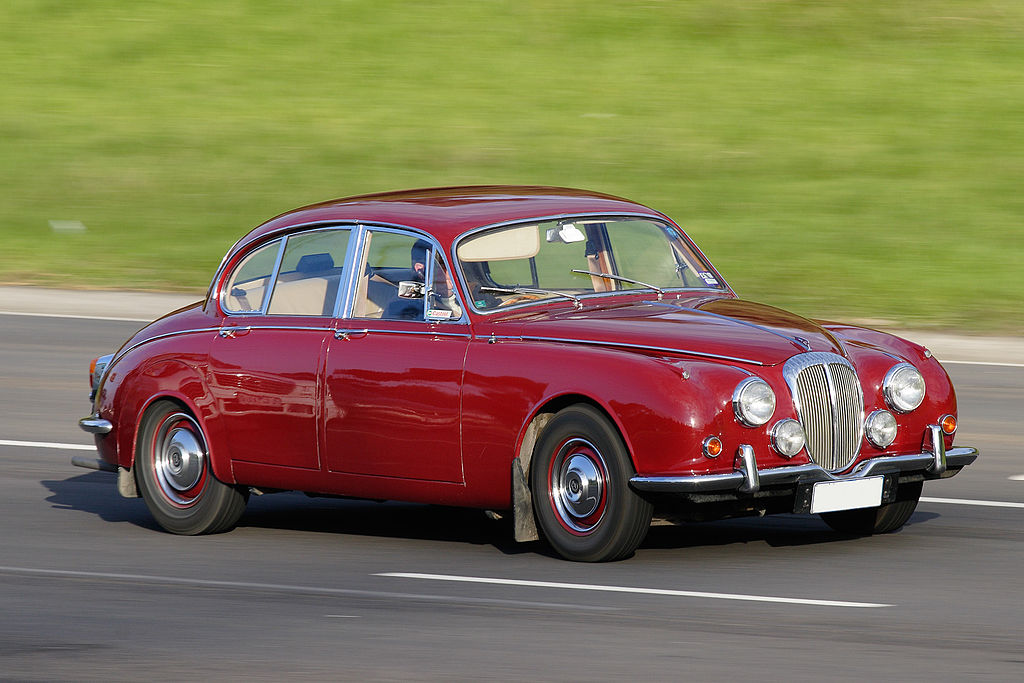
(662, 406)
(180, 378)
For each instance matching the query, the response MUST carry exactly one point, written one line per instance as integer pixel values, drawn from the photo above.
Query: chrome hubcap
(578, 485)
(179, 458)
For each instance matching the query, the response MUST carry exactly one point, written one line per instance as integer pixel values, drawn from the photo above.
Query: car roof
(447, 212)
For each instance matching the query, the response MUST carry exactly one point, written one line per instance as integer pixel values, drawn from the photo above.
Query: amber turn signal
(92, 371)
(712, 447)
(948, 424)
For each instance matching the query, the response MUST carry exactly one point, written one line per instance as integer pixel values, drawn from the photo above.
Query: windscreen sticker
(439, 314)
(708, 278)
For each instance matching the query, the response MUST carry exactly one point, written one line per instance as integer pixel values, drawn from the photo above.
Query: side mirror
(409, 289)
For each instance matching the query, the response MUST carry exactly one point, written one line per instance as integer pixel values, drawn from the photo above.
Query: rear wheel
(173, 471)
(581, 497)
(879, 520)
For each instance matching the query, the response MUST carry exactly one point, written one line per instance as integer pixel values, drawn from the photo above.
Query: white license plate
(830, 496)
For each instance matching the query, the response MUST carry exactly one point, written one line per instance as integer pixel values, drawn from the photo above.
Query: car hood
(731, 329)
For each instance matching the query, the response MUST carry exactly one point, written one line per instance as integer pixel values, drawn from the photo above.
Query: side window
(442, 302)
(247, 287)
(310, 274)
(392, 286)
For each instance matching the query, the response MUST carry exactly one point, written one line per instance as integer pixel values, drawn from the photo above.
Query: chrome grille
(830, 406)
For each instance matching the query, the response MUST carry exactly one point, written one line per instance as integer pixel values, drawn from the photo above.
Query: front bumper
(935, 462)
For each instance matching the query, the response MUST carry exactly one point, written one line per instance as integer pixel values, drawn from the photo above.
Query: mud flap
(523, 521)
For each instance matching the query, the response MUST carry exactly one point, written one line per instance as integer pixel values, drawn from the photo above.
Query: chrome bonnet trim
(804, 474)
(637, 347)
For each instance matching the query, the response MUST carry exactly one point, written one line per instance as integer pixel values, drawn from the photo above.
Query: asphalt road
(91, 590)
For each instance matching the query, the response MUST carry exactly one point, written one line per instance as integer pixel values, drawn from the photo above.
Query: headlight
(903, 387)
(880, 428)
(788, 437)
(753, 401)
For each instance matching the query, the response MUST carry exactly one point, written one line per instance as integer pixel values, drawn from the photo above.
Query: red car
(570, 357)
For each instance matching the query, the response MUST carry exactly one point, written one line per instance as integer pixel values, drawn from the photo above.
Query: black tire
(879, 520)
(172, 469)
(579, 479)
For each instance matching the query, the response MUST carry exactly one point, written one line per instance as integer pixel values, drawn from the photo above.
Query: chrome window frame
(664, 220)
(284, 235)
(271, 278)
(359, 264)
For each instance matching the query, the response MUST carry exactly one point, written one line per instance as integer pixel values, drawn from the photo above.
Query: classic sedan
(568, 358)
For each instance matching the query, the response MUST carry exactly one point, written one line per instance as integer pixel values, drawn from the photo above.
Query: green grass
(839, 158)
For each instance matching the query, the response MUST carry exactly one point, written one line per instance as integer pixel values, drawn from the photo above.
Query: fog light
(712, 447)
(948, 424)
(788, 437)
(880, 428)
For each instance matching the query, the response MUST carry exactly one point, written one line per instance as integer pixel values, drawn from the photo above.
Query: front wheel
(879, 520)
(579, 478)
(174, 475)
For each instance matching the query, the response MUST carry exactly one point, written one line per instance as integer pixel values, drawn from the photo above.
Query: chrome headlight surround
(880, 428)
(903, 388)
(753, 402)
(788, 438)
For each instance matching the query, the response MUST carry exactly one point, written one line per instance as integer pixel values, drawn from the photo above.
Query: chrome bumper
(934, 463)
(94, 424)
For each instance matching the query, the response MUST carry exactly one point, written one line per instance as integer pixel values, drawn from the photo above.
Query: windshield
(544, 255)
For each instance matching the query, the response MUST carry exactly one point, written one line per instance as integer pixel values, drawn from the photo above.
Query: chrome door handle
(350, 334)
(232, 332)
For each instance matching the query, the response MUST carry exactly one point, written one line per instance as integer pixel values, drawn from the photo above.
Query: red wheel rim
(578, 486)
(179, 459)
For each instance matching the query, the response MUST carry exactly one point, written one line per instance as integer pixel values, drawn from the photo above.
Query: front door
(393, 374)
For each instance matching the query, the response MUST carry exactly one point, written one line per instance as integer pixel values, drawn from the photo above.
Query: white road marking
(982, 362)
(47, 444)
(629, 589)
(341, 616)
(1016, 477)
(78, 317)
(300, 590)
(980, 503)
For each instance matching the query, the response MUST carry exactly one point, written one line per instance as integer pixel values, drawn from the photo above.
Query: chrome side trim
(639, 347)
(94, 424)
(158, 337)
(422, 333)
(804, 474)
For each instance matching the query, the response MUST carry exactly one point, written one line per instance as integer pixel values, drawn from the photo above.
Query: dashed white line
(295, 589)
(47, 444)
(983, 362)
(78, 317)
(979, 503)
(631, 589)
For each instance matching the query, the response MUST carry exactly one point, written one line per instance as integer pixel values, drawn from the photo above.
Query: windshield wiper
(530, 290)
(609, 276)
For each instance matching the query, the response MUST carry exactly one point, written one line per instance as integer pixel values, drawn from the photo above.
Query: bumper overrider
(934, 462)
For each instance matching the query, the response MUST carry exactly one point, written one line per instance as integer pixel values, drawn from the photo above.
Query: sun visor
(507, 244)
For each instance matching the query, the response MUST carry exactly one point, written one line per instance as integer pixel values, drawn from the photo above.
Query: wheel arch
(169, 379)
(523, 519)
